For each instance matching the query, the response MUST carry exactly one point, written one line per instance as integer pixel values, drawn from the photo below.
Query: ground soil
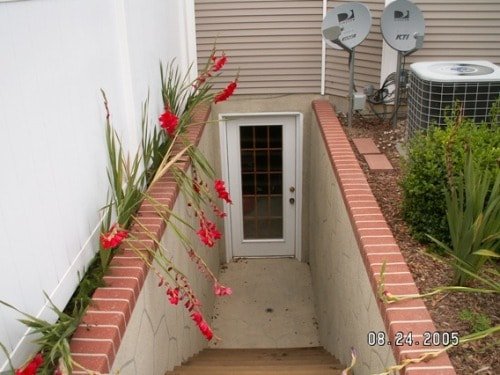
(481, 357)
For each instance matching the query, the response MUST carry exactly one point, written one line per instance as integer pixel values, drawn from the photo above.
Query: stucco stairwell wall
(130, 327)
(349, 241)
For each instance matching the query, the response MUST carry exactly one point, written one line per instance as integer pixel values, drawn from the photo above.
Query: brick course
(377, 245)
(97, 339)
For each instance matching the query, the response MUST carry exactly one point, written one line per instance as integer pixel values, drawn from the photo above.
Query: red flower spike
(197, 317)
(219, 62)
(208, 232)
(169, 122)
(227, 92)
(218, 212)
(201, 80)
(221, 290)
(113, 238)
(202, 325)
(221, 191)
(173, 295)
(32, 367)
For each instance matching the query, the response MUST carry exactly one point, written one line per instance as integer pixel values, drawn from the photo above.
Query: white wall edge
(225, 177)
(190, 34)
(299, 160)
(323, 54)
(389, 57)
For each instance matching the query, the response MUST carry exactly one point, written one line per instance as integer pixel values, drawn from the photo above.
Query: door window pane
(262, 181)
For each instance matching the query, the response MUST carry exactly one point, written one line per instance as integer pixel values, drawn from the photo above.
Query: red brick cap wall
(377, 244)
(97, 339)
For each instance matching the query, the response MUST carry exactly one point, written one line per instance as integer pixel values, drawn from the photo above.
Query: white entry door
(261, 153)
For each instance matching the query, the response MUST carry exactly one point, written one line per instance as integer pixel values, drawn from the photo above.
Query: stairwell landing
(267, 326)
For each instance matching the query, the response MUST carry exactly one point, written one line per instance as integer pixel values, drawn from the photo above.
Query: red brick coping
(377, 245)
(97, 339)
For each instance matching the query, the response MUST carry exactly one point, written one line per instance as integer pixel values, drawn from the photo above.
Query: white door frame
(223, 118)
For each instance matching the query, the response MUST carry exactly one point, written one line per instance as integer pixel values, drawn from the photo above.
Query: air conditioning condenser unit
(434, 87)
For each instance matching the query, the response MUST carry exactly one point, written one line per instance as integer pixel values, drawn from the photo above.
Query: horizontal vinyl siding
(275, 45)
(459, 30)
(368, 56)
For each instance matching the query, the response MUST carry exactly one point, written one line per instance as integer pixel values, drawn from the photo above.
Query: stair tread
(253, 372)
(289, 361)
(250, 371)
(313, 351)
(259, 365)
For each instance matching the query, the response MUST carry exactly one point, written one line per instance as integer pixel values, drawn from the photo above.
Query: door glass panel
(262, 181)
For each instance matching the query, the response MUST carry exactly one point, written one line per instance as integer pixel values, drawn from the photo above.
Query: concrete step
(378, 162)
(293, 361)
(365, 146)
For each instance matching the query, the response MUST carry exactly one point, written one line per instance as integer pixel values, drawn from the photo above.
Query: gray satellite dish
(347, 25)
(403, 26)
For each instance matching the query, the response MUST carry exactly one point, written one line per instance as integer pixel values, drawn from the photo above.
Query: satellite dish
(347, 25)
(403, 26)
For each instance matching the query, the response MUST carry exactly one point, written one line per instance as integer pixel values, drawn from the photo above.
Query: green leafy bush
(438, 156)
(473, 213)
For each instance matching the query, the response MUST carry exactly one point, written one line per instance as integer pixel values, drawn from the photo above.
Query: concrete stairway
(290, 361)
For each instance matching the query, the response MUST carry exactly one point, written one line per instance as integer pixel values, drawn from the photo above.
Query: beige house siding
(460, 30)
(276, 45)
(368, 56)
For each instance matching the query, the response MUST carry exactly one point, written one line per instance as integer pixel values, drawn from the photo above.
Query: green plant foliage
(477, 322)
(52, 339)
(432, 157)
(473, 215)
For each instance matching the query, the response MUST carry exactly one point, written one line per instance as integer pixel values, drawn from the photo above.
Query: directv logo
(346, 17)
(401, 16)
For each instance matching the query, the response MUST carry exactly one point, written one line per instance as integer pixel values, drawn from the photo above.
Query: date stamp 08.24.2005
(437, 338)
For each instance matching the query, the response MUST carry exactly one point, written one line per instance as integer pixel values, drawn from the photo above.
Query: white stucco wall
(345, 304)
(56, 56)
(160, 336)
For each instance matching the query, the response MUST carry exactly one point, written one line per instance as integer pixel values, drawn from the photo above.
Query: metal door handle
(292, 200)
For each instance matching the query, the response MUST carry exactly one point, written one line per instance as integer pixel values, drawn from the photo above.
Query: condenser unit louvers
(435, 86)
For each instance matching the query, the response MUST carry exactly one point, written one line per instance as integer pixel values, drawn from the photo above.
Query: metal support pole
(396, 97)
(351, 86)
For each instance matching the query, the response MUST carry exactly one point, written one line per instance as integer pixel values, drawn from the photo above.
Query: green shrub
(473, 214)
(425, 172)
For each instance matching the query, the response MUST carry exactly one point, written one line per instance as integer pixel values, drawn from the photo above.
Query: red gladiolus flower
(32, 367)
(219, 62)
(202, 325)
(226, 93)
(221, 191)
(206, 330)
(218, 211)
(173, 295)
(197, 317)
(113, 238)
(221, 290)
(201, 79)
(208, 237)
(208, 232)
(169, 122)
